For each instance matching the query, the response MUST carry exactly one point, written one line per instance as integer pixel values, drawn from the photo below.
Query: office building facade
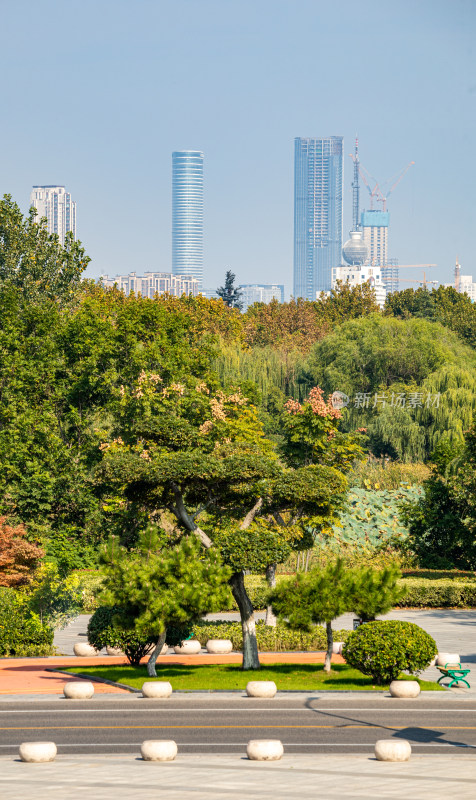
(151, 283)
(260, 293)
(375, 234)
(317, 213)
(187, 214)
(55, 203)
(357, 275)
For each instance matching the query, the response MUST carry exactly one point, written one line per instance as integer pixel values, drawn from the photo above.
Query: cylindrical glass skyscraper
(187, 214)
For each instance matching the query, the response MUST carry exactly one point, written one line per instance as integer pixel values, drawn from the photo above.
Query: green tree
(199, 454)
(410, 382)
(442, 524)
(34, 261)
(229, 293)
(157, 586)
(373, 592)
(313, 598)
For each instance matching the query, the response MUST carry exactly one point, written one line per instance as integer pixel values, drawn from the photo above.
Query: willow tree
(199, 455)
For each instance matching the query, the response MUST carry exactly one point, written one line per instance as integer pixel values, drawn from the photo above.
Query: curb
(84, 676)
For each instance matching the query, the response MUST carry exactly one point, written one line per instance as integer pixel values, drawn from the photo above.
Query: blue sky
(97, 94)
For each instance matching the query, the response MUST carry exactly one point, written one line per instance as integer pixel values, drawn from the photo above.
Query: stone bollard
(404, 688)
(78, 690)
(188, 648)
(392, 750)
(158, 750)
(37, 752)
(264, 750)
(337, 648)
(158, 689)
(219, 646)
(84, 650)
(114, 651)
(261, 689)
(447, 658)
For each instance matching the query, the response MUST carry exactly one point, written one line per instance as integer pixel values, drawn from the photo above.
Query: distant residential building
(391, 276)
(356, 275)
(374, 226)
(187, 214)
(210, 294)
(260, 293)
(55, 203)
(317, 213)
(151, 283)
(468, 286)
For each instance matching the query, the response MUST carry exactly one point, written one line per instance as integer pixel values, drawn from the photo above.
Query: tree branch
(251, 514)
(185, 519)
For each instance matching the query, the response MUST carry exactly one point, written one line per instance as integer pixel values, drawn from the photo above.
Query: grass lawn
(306, 677)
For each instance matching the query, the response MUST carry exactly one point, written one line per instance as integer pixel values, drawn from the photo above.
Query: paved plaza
(211, 777)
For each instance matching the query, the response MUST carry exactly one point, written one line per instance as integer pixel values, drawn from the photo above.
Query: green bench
(456, 673)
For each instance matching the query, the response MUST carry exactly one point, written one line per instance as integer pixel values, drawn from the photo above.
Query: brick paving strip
(32, 675)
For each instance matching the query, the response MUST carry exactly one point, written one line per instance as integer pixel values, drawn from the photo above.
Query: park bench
(456, 673)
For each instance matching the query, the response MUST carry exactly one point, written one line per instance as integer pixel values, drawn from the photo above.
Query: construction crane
(423, 267)
(376, 191)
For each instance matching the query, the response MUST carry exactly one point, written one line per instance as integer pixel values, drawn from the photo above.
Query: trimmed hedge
(272, 639)
(442, 593)
(22, 633)
(419, 592)
(383, 649)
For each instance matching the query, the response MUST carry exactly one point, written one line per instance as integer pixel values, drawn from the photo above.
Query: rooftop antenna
(355, 189)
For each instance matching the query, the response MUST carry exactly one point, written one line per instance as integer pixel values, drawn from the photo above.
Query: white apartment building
(357, 275)
(55, 203)
(260, 293)
(151, 283)
(468, 286)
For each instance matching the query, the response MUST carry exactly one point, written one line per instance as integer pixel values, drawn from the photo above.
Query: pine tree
(228, 293)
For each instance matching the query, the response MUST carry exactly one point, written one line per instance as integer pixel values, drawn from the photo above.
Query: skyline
(240, 84)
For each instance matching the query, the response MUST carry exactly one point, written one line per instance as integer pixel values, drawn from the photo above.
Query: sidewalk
(29, 675)
(226, 777)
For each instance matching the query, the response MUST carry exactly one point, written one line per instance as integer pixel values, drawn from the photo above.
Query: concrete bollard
(264, 750)
(219, 646)
(392, 750)
(37, 752)
(84, 650)
(447, 658)
(188, 648)
(78, 690)
(114, 651)
(158, 750)
(261, 689)
(404, 688)
(337, 648)
(158, 689)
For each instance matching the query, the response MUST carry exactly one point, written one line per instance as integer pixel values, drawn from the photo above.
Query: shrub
(21, 632)
(440, 593)
(105, 629)
(272, 639)
(384, 649)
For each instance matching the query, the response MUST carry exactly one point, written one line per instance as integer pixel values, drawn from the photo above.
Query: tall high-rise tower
(187, 214)
(317, 213)
(55, 203)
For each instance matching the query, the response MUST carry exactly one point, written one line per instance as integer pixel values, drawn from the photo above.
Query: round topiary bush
(383, 649)
(105, 629)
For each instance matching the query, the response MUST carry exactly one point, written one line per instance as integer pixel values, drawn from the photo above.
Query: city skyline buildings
(318, 212)
(187, 214)
(55, 204)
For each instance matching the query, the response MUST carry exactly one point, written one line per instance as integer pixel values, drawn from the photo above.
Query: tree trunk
(155, 652)
(271, 578)
(250, 645)
(330, 643)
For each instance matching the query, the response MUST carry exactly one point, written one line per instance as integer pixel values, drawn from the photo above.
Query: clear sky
(96, 95)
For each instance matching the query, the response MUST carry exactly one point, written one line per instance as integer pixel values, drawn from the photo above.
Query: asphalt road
(225, 723)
